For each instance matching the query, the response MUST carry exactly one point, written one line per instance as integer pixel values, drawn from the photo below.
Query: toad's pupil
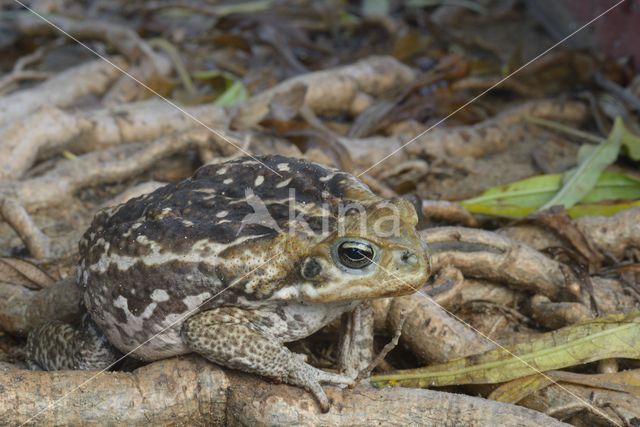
(355, 254)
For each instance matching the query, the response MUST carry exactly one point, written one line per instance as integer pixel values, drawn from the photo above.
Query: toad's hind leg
(225, 337)
(59, 346)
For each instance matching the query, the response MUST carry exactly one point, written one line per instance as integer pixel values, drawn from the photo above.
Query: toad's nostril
(409, 258)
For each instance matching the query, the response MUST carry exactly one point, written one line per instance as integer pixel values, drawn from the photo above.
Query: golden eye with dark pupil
(355, 254)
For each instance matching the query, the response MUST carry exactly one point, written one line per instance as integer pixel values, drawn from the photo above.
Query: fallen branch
(431, 333)
(23, 309)
(490, 256)
(193, 391)
(493, 135)
(124, 39)
(91, 78)
(35, 240)
(555, 315)
(365, 405)
(109, 165)
(331, 91)
(128, 87)
(442, 210)
(612, 236)
(146, 65)
(51, 130)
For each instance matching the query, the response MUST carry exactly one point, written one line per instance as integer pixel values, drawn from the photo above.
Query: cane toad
(231, 264)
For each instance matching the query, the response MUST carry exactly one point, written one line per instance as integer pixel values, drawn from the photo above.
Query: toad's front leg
(228, 337)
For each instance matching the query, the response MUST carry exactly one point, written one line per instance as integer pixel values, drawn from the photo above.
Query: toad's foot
(310, 378)
(225, 337)
(60, 346)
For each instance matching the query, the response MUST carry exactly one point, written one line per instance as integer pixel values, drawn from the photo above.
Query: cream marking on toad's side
(159, 295)
(169, 343)
(205, 191)
(204, 251)
(283, 183)
(135, 323)
(283, 167)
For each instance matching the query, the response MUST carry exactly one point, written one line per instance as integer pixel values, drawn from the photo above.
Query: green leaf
(212, 74)
(594, 160)
(469, 4)
(613, 186)
(609, 337)
(375, 7)
(520, 198)
(513, 391)
(242, 7)
(235, 93)
(631, 143)
(220, 10)
(530, 192)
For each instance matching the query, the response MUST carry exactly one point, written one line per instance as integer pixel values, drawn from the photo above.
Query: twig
(385, 350)
(177, 62)
(17, 217)
(566, 129)
(17, 76)
(617, 90)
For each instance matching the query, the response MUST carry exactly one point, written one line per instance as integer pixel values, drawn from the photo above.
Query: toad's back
(151, 262)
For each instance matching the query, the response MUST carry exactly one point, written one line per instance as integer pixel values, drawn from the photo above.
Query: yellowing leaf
(69, 155)
(602, 209)
(516, 390)
(609, 337)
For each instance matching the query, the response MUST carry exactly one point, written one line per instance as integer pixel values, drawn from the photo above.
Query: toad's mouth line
(501, 347)
(172, 324)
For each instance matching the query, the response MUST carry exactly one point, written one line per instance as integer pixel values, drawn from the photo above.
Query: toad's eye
(355, 254)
